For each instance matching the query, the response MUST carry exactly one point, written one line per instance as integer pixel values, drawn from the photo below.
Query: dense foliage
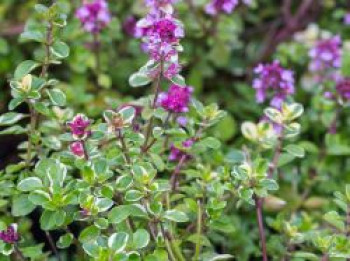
(175, 130)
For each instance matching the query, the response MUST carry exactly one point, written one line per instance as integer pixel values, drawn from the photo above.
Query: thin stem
(52, 245)
(347, 225)
(31, 133)
(86, 154)
(333, 127)
(199, 230)
(174, 176)
(18, 252)
(259, 216)
(145, 146)
(34, 116)
(96, 49)
(167, 244)
(166, 123)
(124, 147)
(276, 157)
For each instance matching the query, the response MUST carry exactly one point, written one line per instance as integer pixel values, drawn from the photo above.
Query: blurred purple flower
(326, 54)
(176, 154)
(182, 121)
(94, 15)
(343, 88)
(176, 99)
(225, 6)
(347, 19)
(274, 77)
(129, 26)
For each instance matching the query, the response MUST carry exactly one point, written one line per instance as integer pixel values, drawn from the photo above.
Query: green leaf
(16, 129)
(65, 240)
(133, 195)
(48, 220)
(21, 206)
(118, 214)
(210, 142)
(305, 256)
(274, 115)
(269, 184)
(103, 204)
(25, 68)
(175, 215)
(128, 114)
(347, 191)
(139, 79)
(123, 182)
(335, 219)
(60, 49)
(140, 239)
(89, 234)
(10, 118)
(39, 197)
(295, 150)
(179, 80)
(118, 241)
(33, 252)
(14, 103)
(32, 36)
(57, 97)
(29, 184)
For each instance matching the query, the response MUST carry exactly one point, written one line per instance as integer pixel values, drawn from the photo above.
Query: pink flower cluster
(161, 34)
(275, 78)
(79, 128)
(94, 16)
(225, 6)
(326, 55)
(10, 235)
(176, 100)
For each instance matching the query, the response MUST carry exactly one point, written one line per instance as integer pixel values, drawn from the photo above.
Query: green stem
(177, 251)
(18, 252)
(167, 243)
(31, 133)
(199, 231)
(157, 83)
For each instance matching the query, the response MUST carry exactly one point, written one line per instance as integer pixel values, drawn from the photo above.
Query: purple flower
(177, 154)
(79, 126)
(94, 15)
(217, 6)
(343, 88)
(176, 99)
(274, 77)
(172, 70)
(326, 54)
(225, 6)
(347, 19)
(161, 36)
(10, 235)
(77, 148)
